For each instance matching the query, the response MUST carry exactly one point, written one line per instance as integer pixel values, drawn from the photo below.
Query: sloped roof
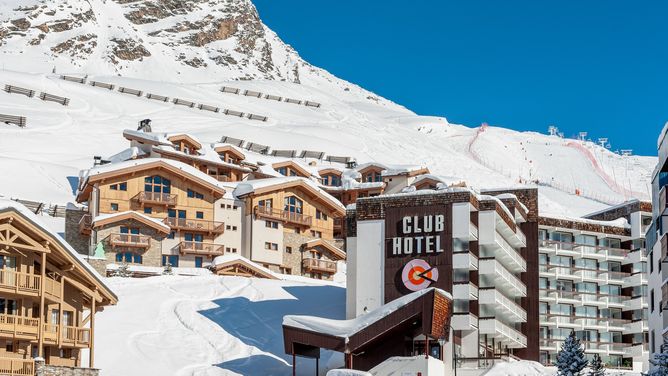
(89, 272)
(232, 259)
(327, 245)
(105, 219)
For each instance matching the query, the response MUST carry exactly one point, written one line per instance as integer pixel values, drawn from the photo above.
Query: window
(9, 346)
(283, 171)
(270, 224)
(113, 187)
(172, 260)
(288, 249)
(285, 270)
(320, 215)
(293, 205)
(651, 300)
(193, 194)
(316, 234)
(199, 215)
(271, 246)
(157, 184)
(234, 228)
(193, 237)
(172, 235)
(148, 210)
(123, 186)
(8, 306)
(265, 203)
(129, 258)
(114, 206)
(234, 207)
(198, 262)
(331, 180)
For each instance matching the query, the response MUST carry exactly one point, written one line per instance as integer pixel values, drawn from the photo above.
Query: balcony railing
(583, 250)
(319, 265)
(283, 215)
(85, 224)
(199, 248)
(199, 225)
(130, 240)
(19, 326)
(53, 288)
(17, 367)
(18, 282)
(76, 336)
(583, 297)
(156, 198)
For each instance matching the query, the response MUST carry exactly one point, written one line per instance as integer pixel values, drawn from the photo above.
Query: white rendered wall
(262, 234)
(461, 219)
(486, 226)
(233, 218)
(365, 274)
(351, 287)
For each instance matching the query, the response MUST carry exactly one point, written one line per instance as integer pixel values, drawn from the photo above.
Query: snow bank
(519, 368)
(347, 372)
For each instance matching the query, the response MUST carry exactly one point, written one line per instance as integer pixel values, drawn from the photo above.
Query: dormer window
(331, 180)
(283, 171)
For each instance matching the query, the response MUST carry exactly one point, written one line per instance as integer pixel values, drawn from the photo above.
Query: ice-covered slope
(208, 325)
(44, 158)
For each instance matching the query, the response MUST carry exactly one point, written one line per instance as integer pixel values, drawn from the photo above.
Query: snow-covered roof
(113, 216)
(251, 186)
(113, 167)
(146, 137)
(6, 204)
(127, 154)
(620, 222)
(346, 328)
(158, 270)
(231, 258)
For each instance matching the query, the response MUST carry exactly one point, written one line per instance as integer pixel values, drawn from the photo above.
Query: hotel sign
(417, 252)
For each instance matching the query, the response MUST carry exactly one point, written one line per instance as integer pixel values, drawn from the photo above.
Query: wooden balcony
(199, 225)
(155, 198)
(75, 336)
(64, 335)
(17, 367)
(319, 265)
(19, 327)
(201, 249)
(19, 283)
(86, 224)
(283, 216)
(129, 240)
(53, 289)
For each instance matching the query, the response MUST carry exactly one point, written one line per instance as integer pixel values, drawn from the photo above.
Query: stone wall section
(79, 242)
(42, 369)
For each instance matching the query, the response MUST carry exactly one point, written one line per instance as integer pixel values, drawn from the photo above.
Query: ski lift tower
(603, 141)
(553, 130)
(582, 136)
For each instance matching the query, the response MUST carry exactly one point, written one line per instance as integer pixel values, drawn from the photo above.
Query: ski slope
(46, 156)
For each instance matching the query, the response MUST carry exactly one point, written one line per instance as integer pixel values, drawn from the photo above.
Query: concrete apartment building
(593, 281)
(657, 250)
(480, 247)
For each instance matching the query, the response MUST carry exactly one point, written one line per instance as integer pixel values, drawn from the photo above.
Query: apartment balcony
(576, 250)
(155, 198)
(464, 321)
(283, 216)
(201, 249)
(195, 225)
(637, 326)
(19, 283)
(465, 291)
(637, 350)
(507, 255)
(464, 260)
(559, 321)
(583, 275)
(637, 279)
(600, 323)
(502, 305)
(639, 302)
(663, 200)
(502, 278)
(53, 289)
(502, 332)
(590, 347)
(515, 236)
(63, 335)
(635, 256)
(473, 232)
(19, 327)
(86, 224)
(130, 241)
(582, 298)
(17, 367)
(319, 265)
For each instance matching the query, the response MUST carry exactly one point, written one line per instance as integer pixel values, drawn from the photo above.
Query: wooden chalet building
(48, 297)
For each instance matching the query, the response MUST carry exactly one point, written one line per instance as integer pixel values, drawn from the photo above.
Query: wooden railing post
(40, 338)
(91, 335)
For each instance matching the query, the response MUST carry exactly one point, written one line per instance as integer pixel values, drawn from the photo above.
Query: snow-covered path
(207, 325)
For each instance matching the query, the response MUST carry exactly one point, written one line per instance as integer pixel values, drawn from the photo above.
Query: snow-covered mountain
(190, 49)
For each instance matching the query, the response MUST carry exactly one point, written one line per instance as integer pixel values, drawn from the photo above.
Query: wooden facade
(48, 297)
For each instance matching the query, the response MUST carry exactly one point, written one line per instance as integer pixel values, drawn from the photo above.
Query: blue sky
(595, 66)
